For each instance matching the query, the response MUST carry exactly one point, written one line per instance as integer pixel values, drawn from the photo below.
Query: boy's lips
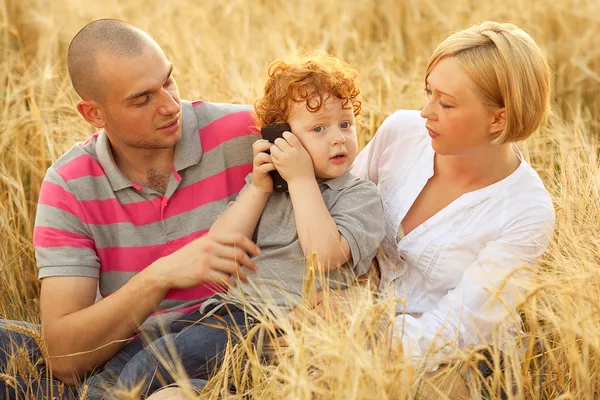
(339, 157)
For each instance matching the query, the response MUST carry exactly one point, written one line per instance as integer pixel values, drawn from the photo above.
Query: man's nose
(169, 105)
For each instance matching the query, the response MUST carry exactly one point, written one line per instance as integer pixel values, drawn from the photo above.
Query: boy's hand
(261, 179)
(291, 158)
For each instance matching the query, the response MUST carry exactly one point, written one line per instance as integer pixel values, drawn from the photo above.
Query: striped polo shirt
(92, 221)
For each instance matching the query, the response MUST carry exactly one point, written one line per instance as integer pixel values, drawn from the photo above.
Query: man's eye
(144, 102)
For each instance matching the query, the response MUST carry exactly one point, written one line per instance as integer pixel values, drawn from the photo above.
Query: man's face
(141, 105)
(328, 134)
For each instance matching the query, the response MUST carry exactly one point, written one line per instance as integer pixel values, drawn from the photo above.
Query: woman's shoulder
(528, 199)
(404, 124)
(402, 131)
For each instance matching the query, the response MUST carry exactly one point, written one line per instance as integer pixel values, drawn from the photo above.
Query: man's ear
(499, 121)
(92, 113)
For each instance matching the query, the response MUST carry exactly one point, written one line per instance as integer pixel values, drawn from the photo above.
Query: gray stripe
(95, 188)
(48, 216)
(237, 151)
(74, 152)
(77, 258)
(210, 112)
(175, 227)
(86, 272)
(53, 177)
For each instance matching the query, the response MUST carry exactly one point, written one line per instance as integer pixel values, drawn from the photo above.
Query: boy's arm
(317, 230)
(243, 215)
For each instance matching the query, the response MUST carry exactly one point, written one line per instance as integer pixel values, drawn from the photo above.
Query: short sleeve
(62, 240)
(358, 214)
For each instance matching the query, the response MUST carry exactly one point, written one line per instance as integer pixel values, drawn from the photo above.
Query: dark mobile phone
(271, 133)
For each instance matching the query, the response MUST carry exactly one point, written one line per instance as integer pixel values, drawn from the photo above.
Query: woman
(463, 209)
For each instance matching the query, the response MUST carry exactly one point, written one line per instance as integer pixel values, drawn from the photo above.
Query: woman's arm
(490, 290)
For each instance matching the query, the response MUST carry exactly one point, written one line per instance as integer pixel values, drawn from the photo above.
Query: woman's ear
(498, 121)
(92, 113)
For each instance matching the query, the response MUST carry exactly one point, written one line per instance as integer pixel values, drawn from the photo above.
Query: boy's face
(329, 136)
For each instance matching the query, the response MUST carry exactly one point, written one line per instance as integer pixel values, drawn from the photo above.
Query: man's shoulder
(80, 159)
(207, 112)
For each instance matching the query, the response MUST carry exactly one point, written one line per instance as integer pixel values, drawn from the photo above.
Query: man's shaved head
(107, 37)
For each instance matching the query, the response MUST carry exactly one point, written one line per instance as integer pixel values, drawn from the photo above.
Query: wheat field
(221, 50)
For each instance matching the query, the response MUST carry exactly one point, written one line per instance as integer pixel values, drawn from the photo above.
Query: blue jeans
(194, 346)
(41, 387)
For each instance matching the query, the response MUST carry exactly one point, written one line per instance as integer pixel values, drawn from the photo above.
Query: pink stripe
(216, 187)
(195, 103)
(226, 128)
(53, 195)
(135, 259)
(84, 165)
(46, 237)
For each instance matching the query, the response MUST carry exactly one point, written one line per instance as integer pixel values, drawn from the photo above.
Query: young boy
(328, 213)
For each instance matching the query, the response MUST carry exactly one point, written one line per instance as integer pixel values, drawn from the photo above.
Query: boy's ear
(498, 121)
(92, 113)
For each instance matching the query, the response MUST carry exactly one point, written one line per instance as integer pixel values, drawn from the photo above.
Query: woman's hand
(261, 179)
(291, 159)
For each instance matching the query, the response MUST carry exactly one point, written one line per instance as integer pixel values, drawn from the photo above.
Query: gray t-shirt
(356, 208)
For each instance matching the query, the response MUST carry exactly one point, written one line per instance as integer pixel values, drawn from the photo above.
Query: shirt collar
(188, 151)
(117, 179)
(341, 182)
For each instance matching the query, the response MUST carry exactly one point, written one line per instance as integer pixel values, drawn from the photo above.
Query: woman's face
(458, 121)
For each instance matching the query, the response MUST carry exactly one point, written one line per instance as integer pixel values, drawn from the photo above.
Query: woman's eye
(427, 92)
(443, 105)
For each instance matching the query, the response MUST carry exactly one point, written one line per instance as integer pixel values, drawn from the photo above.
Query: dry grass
(221, 50)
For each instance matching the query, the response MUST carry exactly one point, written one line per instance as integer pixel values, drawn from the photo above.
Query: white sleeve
(488, 292)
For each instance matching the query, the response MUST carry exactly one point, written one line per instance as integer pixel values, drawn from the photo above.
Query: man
(126, 212)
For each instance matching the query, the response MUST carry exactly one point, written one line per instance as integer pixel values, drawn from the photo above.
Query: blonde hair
(508, 70)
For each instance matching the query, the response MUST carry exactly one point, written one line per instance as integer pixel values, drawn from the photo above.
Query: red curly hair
(310, 79)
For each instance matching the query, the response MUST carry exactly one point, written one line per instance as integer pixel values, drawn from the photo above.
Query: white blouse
(458, 271)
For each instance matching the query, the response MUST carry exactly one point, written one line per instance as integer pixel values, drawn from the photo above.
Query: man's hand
(261, 179)
(291, 159)
(211, 258)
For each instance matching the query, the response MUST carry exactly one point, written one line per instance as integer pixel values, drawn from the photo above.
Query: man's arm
(72, 323)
